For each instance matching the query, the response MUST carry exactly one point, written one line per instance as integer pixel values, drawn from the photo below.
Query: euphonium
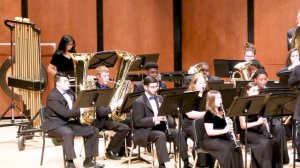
(122, 86)
(84, 82)
(242, 70)
(198, 68)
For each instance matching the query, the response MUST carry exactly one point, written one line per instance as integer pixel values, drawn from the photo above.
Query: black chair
(139, 150)
(199, 131)
(45, 135)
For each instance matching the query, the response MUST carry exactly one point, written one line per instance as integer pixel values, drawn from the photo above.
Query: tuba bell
(242, 70)
(84, 82)
(122, 86)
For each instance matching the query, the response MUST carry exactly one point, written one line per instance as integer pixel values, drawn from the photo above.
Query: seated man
(61, 122)
(104, 122)
(151, 70)
(151, 127)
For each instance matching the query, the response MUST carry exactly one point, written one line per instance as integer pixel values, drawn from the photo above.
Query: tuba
(242, 70)
(122, 86)
(84, 82)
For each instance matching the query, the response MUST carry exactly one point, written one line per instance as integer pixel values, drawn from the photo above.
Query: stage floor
(11, 157)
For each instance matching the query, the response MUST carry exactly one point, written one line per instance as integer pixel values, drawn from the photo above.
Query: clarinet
(166, 122)
(270, 136)
(232, 135)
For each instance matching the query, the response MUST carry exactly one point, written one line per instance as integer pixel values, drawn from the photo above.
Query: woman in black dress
(264, 149)
(217, 140)
(61, 60)
(198, 83)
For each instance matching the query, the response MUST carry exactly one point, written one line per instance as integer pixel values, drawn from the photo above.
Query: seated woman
(198, 83)
(264, 149)
(217, 140)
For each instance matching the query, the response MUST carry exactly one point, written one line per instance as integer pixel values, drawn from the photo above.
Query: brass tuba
(84, 82)
(122, 86)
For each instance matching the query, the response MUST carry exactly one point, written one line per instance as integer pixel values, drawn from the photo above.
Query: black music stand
(247, 106)
(176, 104)
(279, 105)
(227, 96)
(93, 98)
(225, 68)
(105, 58)
(171, 91)
(126, 107)
(139, 65)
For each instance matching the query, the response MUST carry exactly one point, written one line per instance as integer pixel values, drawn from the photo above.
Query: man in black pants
(104, 122)
(149, 127)
(61, 121)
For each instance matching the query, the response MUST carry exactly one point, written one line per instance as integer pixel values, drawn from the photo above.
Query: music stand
(247, 106)
(279, 105)
(125, 107)
(105, 58)
(176, 104)
(227, 96)
(171, 91)
(139, 65)
(225, 68)
(93, 98)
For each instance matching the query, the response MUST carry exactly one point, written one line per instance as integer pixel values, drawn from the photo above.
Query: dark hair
(258, 72)
(150, 79)
(149, 65)
(288, 58)
(64, 41)
(257, 64)
(59, 75)
(249, 47)
(248, 86)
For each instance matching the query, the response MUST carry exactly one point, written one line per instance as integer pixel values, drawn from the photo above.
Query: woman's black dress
(222, 146)
(264, 151)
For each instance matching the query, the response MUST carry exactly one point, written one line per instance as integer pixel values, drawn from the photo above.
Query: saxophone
(84, 82)
(122, 86)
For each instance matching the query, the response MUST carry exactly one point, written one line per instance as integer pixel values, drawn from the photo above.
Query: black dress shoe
(112, 155)
(90, 163)
(188, 165)
(70, 165)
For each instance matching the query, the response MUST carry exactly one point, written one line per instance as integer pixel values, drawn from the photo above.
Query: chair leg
(196, 159)
(43, 149)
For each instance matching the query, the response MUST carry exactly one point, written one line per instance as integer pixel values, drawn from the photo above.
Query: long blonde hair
(210, 102)
(196, 77)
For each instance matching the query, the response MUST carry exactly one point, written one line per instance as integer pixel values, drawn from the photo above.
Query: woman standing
(217, 140)
(264, 150)
(61, 60)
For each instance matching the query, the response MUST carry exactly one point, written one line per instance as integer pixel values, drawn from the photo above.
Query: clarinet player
(149, 127)
(217, 140)
(264, 148)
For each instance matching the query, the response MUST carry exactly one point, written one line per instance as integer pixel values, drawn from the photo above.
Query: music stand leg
(179, 135)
